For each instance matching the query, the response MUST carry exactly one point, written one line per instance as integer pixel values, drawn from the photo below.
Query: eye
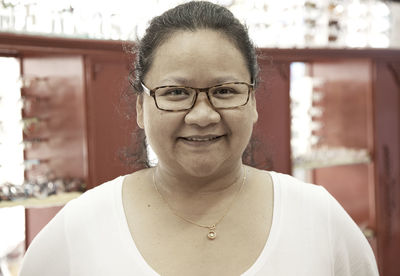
(175, 92)
(224, 92)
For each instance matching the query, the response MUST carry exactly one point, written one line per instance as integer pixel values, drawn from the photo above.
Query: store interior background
(332, 58)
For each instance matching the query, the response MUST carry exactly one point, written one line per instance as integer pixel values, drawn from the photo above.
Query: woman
(200, 211)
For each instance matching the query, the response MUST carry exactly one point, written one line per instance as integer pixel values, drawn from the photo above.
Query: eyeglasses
(179, 98)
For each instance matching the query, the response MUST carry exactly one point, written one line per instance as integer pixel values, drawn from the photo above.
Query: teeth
(201, 139)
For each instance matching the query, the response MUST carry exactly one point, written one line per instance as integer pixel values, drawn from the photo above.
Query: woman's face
(202, 141)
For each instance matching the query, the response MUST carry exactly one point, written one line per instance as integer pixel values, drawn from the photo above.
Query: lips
(201, 138)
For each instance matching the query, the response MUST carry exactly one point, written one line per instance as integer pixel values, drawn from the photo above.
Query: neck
(206, 200)
(184, 184)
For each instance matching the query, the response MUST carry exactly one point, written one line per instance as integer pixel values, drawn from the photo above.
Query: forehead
(197, 56)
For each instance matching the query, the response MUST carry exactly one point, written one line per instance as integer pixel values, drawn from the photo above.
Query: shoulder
(79, 230)
(94, 208)
(100, 194)
(89, 210)
(313, 209)
(101, 202)
(312, 201)
(294, 191)
(290, 192)
(292, 183)
(87, 206)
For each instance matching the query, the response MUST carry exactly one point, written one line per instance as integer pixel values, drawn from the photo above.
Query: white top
(311, 234)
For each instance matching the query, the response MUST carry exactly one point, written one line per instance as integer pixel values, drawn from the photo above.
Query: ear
(139, 111)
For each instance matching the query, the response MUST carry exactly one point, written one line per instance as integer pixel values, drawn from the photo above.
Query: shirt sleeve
(48, 255)
(353, 256)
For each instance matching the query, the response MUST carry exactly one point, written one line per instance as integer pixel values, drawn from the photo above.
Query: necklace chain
(212, 234)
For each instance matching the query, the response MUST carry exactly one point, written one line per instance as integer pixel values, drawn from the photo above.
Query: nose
(202, 113)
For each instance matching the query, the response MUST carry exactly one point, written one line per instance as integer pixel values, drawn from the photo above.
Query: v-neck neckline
(257, 265)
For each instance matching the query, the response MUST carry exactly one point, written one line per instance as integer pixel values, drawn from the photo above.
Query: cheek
(155, 132)
(159, 125)
(241, 123)
(151, 114)
(151, 119)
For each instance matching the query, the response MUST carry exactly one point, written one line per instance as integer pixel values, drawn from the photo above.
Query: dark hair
(191, 16)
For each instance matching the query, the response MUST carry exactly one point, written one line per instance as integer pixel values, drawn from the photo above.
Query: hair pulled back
(191, 16)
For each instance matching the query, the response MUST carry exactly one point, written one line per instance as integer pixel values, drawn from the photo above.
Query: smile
(207, 138)
(197, 139)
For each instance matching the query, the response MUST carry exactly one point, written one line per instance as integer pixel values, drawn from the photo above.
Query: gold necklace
(212, 234)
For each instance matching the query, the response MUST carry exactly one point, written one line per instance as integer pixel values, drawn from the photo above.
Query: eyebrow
(183, 81)
(175, 80)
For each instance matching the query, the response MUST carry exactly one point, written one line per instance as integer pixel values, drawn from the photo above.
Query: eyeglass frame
(152, 93)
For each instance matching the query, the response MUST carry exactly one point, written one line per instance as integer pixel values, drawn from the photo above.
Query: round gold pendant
(212, 235)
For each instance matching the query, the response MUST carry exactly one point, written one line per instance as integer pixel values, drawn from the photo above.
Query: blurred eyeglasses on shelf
(292, 23)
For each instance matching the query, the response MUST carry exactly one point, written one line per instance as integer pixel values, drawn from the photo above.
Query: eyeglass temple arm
(145, 89)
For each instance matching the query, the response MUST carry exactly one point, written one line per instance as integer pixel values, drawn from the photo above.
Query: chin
(209, 167)
(200, 169)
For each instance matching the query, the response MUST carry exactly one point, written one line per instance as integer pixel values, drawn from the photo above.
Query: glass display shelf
(329, 157)
(53, 200)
